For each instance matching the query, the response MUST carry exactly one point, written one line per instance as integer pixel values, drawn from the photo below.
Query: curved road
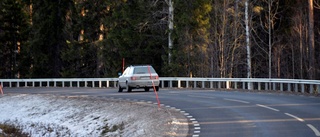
(220, 113)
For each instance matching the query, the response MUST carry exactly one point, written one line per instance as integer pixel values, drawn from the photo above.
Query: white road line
(316, 131)
(267, 107)
(201, 96)
(237, 100)
(300, 119)
(197, 128)
(192, 119)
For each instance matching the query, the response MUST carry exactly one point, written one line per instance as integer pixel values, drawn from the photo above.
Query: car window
(126, 71)
(143, 70)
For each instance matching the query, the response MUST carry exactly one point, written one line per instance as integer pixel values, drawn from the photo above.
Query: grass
(106, 129)
(9, 130)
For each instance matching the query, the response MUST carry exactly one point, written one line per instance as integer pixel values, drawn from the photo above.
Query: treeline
(90, 38)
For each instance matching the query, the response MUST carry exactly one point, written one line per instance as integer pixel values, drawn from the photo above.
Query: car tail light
(133, 78)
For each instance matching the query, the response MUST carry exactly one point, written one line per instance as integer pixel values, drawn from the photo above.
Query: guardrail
(295, 85)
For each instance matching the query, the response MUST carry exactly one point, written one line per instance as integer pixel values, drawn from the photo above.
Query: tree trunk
(311, 41)
(248, 42)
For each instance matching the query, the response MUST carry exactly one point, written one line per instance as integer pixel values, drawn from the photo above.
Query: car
(137, 77)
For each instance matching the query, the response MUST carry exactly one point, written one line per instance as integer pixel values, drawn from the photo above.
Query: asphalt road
(222, 113)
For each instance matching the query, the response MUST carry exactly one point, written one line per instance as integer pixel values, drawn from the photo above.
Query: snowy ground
(51, 116)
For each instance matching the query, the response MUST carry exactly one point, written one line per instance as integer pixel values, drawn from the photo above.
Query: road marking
(300, 119)
(316, 131)
(267, 107)
(192, 119)
(237, 100)
(201, 96)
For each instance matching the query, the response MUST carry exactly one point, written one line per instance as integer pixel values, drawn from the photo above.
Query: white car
(136, 77)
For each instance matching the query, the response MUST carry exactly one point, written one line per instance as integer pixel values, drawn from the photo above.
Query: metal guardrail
(295, 85)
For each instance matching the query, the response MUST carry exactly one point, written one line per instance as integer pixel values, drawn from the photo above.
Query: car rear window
(143, 70)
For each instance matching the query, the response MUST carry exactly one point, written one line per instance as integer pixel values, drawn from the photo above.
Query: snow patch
(48, 115)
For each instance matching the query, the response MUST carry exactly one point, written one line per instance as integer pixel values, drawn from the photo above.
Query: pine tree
(13, 28)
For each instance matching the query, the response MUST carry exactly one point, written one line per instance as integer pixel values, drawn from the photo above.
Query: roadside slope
(48, 115)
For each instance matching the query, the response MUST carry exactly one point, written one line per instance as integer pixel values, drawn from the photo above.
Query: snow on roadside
(48, 115)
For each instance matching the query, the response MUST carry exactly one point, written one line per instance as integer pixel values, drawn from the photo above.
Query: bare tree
(311, 40)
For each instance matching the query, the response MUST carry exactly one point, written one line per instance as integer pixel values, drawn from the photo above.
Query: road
(222, 113)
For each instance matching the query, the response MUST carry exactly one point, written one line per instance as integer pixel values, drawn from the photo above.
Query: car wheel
(146, 89)
(157, 88)
(120, 89)
(129, 89)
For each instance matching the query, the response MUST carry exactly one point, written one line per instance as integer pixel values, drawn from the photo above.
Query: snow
(50, 116)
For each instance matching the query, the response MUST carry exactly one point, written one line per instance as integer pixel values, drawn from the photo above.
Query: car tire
(146, 89)
(129, 89)
(120, 89)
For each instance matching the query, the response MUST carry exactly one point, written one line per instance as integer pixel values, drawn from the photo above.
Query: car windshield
(143, 70)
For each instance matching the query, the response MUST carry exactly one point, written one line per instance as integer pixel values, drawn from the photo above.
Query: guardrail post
(318, 89)
(219, 85)
(55, 84)
(302, 88)
(259, 86)
(266, 86)
(17, 84)
(311, 89)
(62, 84)
(170, 83)
(194, 84)
(296, 87)
(108, 83)
(93, 84)
(78, 84)
(100, 84)
(281, 87)
(26, 84)
(48, 84)
(289, 86)
(179, 83)
(273, 86)
(211, 84)
(243, 85)
(228, 84)
(162, 84)
(202, 84)
(235, 85)
(187, 84)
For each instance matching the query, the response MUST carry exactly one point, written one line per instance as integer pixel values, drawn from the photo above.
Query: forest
(179, 38)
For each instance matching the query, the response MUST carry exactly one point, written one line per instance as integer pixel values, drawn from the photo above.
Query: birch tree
(248, 42)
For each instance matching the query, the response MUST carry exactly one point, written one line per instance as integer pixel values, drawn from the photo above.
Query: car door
(123, 78)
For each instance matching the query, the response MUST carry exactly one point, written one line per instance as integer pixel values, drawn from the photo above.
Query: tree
(311, 40)
(248, 42)
(47, 37)
(13, 34)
